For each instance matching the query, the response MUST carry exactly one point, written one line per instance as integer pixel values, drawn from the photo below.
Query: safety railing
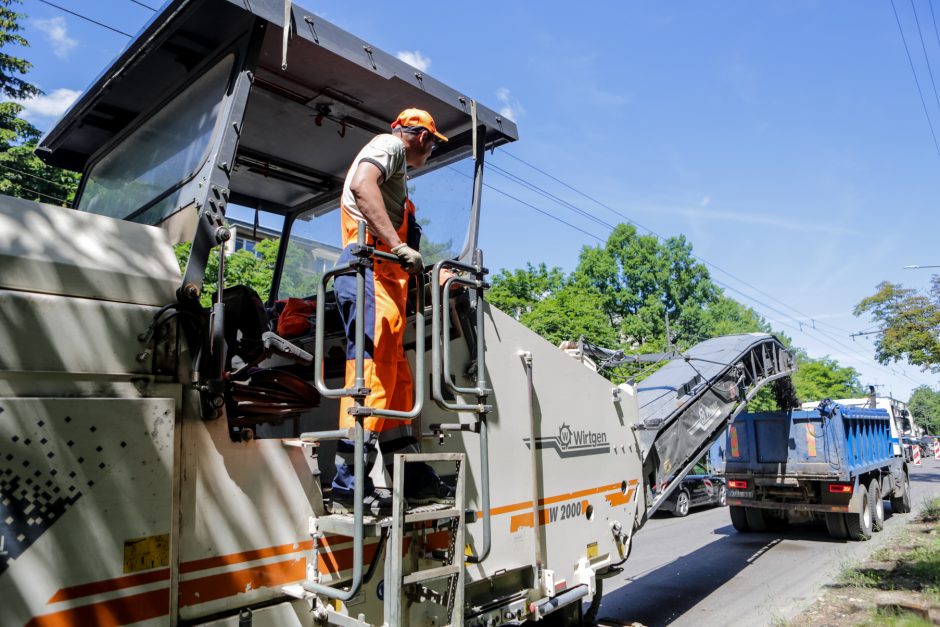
(441, 370)
(364, 256)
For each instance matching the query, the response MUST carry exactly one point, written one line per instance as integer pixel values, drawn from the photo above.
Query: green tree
(726, 316)
(518, 292)
(241, 268)
(643, 281)
(570, 312)
(816, 379)
(22, 173)
(925, 408)
(908, 324)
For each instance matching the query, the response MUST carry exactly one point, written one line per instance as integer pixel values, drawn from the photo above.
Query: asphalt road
(699, 571)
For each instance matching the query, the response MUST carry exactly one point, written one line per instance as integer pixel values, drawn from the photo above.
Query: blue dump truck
(835, 463)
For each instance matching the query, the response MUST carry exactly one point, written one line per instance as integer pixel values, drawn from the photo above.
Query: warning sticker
(146, 553)
(592, 550)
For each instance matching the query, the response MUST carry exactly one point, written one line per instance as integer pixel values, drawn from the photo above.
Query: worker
(376, 190)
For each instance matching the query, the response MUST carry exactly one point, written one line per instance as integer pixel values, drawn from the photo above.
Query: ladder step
(432, 573)
(435, 514)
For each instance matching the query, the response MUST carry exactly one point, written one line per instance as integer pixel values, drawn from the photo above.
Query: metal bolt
(142, 357)
(191, 291)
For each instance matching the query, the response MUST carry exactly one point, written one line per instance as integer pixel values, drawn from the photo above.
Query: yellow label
(468, 551)
(146, 553)
(592, 550)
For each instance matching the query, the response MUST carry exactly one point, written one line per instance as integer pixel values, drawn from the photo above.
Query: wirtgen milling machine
(161, 463)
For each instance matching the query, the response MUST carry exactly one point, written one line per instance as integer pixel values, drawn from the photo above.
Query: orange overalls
(386, 370)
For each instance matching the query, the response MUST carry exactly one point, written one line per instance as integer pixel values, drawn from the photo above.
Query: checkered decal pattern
(43, 472)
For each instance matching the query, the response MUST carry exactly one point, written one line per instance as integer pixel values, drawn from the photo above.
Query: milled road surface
(698, 571)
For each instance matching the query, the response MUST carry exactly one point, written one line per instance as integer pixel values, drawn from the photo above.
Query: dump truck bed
(836, 445)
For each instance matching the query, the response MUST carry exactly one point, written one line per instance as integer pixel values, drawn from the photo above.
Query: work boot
(377, 501)
(423, 486)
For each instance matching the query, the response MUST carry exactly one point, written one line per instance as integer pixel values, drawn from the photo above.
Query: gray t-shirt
(387, 153)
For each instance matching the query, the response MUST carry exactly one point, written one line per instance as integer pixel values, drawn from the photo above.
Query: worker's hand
(410, 258)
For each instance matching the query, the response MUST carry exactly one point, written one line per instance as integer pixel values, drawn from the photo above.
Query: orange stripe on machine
(120, 611)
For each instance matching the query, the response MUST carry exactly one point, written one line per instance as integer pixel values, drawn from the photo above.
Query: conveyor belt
(687, 403)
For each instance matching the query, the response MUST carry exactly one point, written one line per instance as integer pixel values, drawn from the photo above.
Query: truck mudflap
(791, 507)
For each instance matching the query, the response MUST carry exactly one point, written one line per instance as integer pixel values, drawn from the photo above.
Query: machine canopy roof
(303, 125)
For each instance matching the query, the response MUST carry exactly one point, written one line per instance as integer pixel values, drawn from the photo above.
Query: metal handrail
(437, 313)
(359, 392)
(448, 379)
(440, 320)
(358, 389)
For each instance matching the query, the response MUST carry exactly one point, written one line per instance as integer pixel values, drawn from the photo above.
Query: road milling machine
(162, 463)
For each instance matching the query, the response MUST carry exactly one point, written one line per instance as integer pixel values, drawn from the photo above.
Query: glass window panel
(160, 154)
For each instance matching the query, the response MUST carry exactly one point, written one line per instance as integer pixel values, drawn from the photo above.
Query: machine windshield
(141, 178)
(442, 199)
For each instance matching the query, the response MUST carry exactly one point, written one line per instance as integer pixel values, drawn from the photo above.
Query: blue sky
(785, 139)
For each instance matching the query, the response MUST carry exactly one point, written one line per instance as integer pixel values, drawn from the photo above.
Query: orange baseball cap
(417, 117)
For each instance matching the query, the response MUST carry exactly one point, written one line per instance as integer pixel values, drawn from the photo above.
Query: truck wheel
(682, 504)
(902, 504)
(755, 519)
(877, 505)
(859, 523)
(739, 518)
(835, 523)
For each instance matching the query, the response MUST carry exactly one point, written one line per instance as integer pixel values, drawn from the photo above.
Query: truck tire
(877, 505)
(683, 501)
(739, 518)
(859, 523)
(835, 523)
(755, 519)
(901, 504)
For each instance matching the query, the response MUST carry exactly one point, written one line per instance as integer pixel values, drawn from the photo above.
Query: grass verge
(898, 585)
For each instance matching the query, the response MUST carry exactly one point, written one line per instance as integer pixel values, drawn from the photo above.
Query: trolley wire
(86, 18)
(782, 318)
(920, 91)
(809, 319)
(64, 186)
(146, 6)
(923, 46)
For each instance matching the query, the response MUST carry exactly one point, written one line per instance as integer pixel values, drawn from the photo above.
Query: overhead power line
(38, 178)
(923, 46)
(86, 18)
(920, 91)
(146, 6)
(809, 320)
(823, 337)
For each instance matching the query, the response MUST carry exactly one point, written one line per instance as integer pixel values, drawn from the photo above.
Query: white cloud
(707, 200)
(56, 32)
(415, 59)
(511, 108)
(47, 106)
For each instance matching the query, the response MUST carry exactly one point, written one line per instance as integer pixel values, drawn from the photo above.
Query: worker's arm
(365, 189)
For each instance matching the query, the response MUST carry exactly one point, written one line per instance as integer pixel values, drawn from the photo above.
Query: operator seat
(258, 395)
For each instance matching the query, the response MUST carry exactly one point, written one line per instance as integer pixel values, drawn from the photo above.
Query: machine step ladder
(409, 522)
(402, 580)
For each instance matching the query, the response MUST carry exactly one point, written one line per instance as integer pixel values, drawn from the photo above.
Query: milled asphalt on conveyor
(698, 571)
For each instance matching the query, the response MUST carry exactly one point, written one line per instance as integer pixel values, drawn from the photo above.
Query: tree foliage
(818, 379)
(22, 173)
(925, 408)
(643, 281)
(620, 295)
(908, 324)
